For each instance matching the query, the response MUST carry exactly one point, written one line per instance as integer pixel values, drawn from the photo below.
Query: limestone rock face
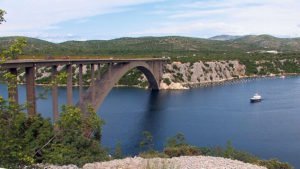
(174, 86)
(189, 74)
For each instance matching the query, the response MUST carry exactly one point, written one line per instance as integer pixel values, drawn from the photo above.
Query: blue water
(207, 116)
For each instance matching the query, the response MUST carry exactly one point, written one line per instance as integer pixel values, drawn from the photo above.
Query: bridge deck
(42, 62)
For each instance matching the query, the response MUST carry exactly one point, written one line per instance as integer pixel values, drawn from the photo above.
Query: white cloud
(40, 14)
(37, 18)
(276, 17)
(192, 28)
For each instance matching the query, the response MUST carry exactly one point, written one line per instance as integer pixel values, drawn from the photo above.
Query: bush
(21, 136)
(230, 152)
(118, 154)
(28, 140)
(274, 164)
(167, 81)
(77, 139)
(153, 154)
(184, 150)
(176, 146)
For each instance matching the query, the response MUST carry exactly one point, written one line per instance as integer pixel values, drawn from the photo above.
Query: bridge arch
(96, 94)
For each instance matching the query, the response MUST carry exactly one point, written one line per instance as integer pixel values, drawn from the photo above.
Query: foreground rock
(194, 162)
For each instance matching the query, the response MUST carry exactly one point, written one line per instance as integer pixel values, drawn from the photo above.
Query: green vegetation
(178, 48)
(15, 49)
(2, 13)
(167, 81)
(147, 141)
(74, 139)
(118, 154)
(177, 146)
(77, 140)
(131, 78)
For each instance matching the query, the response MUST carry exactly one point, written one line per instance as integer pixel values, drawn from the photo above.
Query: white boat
(282, 77)
(256, 98)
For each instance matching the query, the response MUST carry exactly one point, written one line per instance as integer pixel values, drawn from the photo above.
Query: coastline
(237, 79)
(189, 85)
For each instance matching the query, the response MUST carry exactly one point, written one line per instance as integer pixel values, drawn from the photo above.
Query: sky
(63, 20)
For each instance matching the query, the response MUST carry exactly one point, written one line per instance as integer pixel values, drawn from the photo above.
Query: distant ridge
(158, 46)
(224, 37)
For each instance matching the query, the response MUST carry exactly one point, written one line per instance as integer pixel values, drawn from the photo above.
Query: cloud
(274, 17)
(33, 14)
(50, 19)
(189, 28)
(57, 38)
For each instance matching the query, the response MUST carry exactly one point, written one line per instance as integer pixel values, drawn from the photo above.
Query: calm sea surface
(207, 116)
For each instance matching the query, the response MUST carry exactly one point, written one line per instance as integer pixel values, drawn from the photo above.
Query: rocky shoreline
(234, 80)
(183, 162)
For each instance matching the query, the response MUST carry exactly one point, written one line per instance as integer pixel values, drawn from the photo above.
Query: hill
(169, 46)
(224, 37)
(267, 42)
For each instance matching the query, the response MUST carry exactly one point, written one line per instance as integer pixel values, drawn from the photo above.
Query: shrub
(176, 146)
(153, 154)
(21, 136)
(167, 81)
(77, 139)
(274, 164)
(147, 141)
(184, 150)
(118, 154)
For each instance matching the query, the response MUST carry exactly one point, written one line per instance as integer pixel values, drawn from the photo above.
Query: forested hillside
(178, 48)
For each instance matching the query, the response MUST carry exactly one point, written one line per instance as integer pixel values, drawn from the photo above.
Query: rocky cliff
(179, 75)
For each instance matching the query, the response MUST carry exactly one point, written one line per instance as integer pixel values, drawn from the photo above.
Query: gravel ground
(194, 162)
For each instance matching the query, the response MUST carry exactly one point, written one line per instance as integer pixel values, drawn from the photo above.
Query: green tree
(229, 150)
(77, 140)
(176, 141)
(21, 136)
(2, 13)
(177, 146)
(15, 49)
(147, 141)
(118, 154)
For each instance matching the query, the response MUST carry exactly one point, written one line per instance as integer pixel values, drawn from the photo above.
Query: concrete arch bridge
(100, 85)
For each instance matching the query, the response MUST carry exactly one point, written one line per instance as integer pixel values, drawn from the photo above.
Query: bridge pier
(13, 88)
(54, 94)
(69, 84)
(99, 71)
(109, 69)
(80, 83)
(157, 71)
(93, 81)
(30, 90)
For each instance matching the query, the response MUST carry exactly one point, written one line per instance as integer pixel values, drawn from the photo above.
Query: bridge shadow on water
(152, 119)
(136, 112)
